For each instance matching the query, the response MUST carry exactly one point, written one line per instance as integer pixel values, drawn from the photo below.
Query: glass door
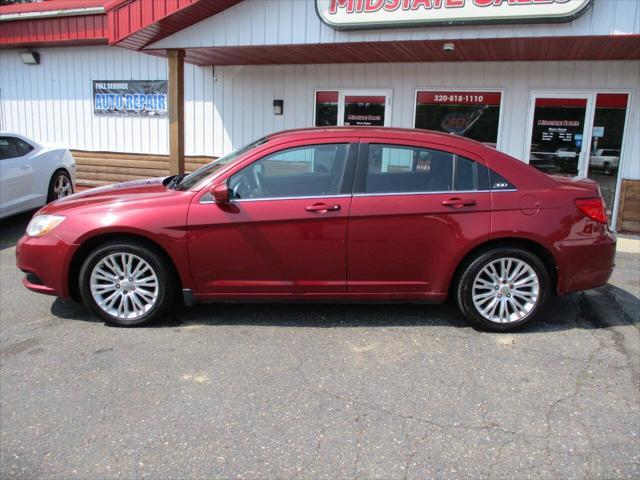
(359, 108)
(560, 132)
(606, 144)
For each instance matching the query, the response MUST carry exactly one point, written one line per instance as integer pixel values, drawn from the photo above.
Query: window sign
(132, 98)
(364, 110)
(470, 114)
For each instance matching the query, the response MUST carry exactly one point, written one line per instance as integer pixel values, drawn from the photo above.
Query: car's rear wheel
(60, 186)
(502, 289)
(126, 283)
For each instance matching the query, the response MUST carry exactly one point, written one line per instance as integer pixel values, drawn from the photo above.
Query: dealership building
(140, 88)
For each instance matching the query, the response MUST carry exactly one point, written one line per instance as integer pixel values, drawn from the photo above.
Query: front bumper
(45, 261)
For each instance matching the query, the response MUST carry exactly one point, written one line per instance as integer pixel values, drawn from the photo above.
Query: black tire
(166, 288)
(57, 176)
(464, 287)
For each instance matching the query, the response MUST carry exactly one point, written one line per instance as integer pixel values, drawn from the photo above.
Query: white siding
(227, 107)
(52, 102)
(281, 22)
(244, 95)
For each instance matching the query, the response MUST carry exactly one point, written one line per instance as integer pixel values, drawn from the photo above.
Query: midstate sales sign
(353, 14)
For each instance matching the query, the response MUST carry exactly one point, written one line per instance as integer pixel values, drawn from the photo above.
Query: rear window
(403, 169)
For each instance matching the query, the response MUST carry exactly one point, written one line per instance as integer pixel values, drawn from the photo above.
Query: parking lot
(319, 390)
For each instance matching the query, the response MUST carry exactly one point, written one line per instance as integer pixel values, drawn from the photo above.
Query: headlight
(41, 224)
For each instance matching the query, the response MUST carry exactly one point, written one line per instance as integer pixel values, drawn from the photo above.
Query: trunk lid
(587, 185)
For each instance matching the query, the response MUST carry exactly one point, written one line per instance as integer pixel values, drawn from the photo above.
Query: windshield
(210, 168)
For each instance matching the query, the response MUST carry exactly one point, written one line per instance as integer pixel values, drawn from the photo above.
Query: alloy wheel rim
(62, 187)
(124, 286)
(506, 290)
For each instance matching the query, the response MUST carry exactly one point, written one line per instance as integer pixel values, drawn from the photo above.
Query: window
(326, 109)
(309, 171)
(470, 114)
(398, 169)
(23, 147)
(9, 148)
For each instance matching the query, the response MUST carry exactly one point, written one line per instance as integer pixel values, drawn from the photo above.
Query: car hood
(120, 195)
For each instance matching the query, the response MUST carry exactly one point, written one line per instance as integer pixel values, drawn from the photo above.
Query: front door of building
(579, 134)
(364, 108)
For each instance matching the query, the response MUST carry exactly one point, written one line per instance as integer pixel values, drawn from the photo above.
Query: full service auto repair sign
(135, 98)
(397, 13)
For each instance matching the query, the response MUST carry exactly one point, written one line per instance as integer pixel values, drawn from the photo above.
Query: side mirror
(220, 193)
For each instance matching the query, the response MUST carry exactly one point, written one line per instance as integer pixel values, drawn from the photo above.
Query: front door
(284, 231)
(414, 211)
(365, 108)
(560, 132)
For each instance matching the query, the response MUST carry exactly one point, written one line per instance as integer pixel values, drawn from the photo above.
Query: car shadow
(12, 228)
(599, 308)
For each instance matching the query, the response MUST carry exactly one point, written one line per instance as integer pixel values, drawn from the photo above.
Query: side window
(399, 169)
(8, 148)
(490, 180)
(23, 147)
(309, 171)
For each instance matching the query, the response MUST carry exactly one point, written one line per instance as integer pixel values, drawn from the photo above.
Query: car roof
(388, 132)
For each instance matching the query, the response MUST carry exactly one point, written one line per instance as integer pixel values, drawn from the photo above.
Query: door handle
(459, 202)
(322, 208)
(24, 167)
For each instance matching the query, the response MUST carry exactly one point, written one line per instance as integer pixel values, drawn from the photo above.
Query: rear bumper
(585, 264)
(45, 261)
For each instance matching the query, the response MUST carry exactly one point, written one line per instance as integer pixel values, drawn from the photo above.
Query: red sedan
(357, 214)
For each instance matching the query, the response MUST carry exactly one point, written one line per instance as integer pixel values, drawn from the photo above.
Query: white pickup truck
(605, 159)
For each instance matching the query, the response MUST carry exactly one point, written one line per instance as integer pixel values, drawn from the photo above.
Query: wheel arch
(89, 244)
(529, 245)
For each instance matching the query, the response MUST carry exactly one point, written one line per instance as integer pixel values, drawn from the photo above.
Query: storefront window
(470, 114)
(326, 109)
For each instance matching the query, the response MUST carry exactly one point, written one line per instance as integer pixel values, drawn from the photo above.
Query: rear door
(415, 211)
(284, 231)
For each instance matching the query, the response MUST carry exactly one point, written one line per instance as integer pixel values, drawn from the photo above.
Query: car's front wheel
(503, 288)
(126, 283)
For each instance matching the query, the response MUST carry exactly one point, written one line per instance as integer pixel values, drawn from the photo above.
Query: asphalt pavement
(319, 390)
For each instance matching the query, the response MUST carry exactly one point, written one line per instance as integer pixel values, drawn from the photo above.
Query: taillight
(593, 208)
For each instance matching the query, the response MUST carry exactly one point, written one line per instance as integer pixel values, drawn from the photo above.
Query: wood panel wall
(629, 209)
(102, 168)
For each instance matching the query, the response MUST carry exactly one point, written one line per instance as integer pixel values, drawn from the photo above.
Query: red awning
(327, 97)
(612, 100)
